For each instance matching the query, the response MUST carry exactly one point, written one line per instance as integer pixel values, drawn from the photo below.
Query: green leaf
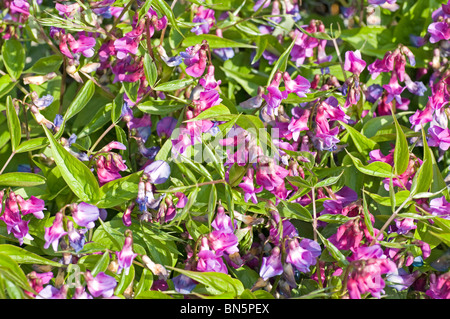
(363, 144)
(119, 191)
(282, 62)
(329, 181)
(6, 84)
(160, 107)
(424, 176)
(399, 198)
(14, 57)
(21, 179)
(165, 9)
(334, 251)
(46, 65)
(80, 101)
(378, 169)
(101, 265)
(401, 152)
(151, 73)
(216, 283)
(261, 44)
(11, 270)
(173, 85)
(78, 176)
(153, 294)
(214, 112)
(13, 124)
(131, 89)
(32, 145)
(214, 42)
(236, 174)
(294, 210)
(22, 256)
(125, 281)
(367, 220)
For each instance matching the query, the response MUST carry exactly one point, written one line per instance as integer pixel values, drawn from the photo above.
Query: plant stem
(340, 59)
(7, 162)
(393, 216)
(100, 138)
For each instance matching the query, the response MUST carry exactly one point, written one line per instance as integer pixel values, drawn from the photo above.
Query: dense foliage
(226, 149)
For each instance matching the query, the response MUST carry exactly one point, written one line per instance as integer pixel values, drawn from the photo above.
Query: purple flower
(158, 172)
(353, 62)
(271, 266)
(300, 85)
(126, 256)
(394, 90)
(274, 96)
(302, 255)
(400, 279)
(206, 19)
(248, 187)
(439, 286)
(76, 236)
(44, 101)
(440, 207)
(165, 126)
(101, 285)
(439, 31)
(439, 137)
(208, 261)
(32, 205)
(54, 232)
(85, 214)
(183, 284)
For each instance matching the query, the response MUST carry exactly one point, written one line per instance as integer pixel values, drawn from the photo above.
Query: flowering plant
(224, 149)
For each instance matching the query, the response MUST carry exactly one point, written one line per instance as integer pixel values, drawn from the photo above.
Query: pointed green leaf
(378, 169)
(13, 57)
(32, 145)
(363, 144)
(83, 97)
(22, 256)
(13, 123)
(424, 176)
(401, 152)
(21, 179)
(282, 62)
(151, 73)
(173, 85)
(78, 176)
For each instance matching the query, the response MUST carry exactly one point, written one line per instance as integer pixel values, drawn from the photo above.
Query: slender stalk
(100, 138)
(340, 58)
(314, 213)
(7, 162)
(393, 216)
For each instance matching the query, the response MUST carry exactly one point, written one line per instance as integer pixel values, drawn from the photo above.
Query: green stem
(7, 162)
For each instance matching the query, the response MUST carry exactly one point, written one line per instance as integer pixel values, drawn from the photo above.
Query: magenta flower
(206, 19)
(109, 167)
(126, 256)
(299, 124)
(271, 266)
(81, 293)
(439, 31)
(299, 86)
(195, 60)
(101, 285)
(125, 46)
(369, 263)
(394, 90)
(274, 96)
(83, 45)
(440, 207)
(353, 62)
(249, 188)
(439, 286)
(55, 232)
(302, 255)
(33, 206)
(208, 261)
(439, 137)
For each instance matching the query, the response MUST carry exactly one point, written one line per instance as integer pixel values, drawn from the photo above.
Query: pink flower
(439, 31)
(55, 232)
(300, 85)
(353, 62)
(126, 256)
(302, 255)
(439, 137)
(248, 187)
(439, 286)
(101, 285)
